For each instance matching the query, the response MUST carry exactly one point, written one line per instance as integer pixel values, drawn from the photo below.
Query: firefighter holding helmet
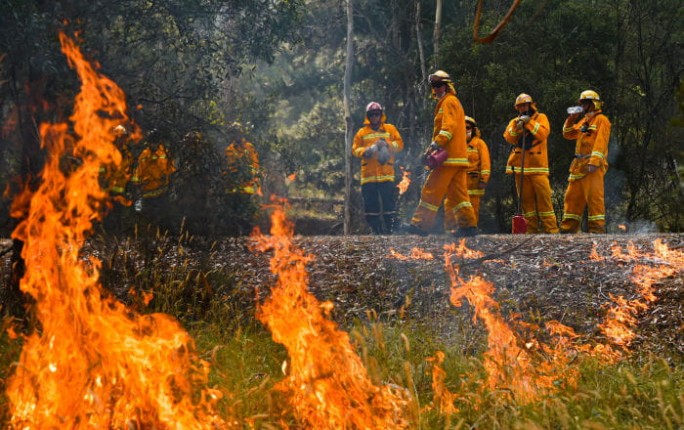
(479, 165)
(448, 179)
(377, 144)
(585, 189)
(528, 132)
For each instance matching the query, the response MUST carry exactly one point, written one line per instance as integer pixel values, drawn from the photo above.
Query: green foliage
(278, 66)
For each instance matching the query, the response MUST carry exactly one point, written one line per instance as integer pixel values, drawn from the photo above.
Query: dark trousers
(379, 203)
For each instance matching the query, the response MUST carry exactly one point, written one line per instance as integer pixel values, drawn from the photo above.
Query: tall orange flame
(93, 363)
(327, 384)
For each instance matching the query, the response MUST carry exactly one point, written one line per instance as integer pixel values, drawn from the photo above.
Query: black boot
(465, 232)
(375, 223)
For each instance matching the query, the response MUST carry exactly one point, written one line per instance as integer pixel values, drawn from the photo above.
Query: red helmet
(373, 106)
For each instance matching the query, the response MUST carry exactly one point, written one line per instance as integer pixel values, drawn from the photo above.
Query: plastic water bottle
(575, 109)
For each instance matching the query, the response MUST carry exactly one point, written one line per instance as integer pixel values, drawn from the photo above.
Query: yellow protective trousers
(536, 203)
(587, 191)
(449, 181)
(475, 193)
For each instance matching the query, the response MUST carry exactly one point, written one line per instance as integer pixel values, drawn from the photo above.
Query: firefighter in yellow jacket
(450, 178)
(154, 168)
(479, 165)
(243, 165)
(588, 168)
(376, 144)
(529, 132)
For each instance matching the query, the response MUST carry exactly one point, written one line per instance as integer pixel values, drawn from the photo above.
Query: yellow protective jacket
(240, 157)
(371, 169)
(591, 136)
(479, 163)
(536, 156)
(449, 130)
(153, 171)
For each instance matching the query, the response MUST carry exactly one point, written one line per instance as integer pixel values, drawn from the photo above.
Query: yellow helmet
(471, 121)
(593, 96)
(523, 98)
(439, 76)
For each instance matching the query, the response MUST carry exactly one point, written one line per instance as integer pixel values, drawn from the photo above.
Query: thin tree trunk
(419, 42)
(438, 32)
(347, 118)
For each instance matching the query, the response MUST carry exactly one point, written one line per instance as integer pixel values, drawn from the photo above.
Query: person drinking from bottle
(528, 133)
(585, 184)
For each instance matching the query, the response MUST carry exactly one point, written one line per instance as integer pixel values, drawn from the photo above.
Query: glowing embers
(92, 363)
(326, 383)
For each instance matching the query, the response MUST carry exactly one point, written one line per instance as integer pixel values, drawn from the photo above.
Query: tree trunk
(348, 135)
(437, 33)
(419, 42)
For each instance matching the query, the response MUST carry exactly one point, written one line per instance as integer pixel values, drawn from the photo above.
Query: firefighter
(242, 176)
(243, 165)
(153, 172)
(529, 132)
(479, 165)
(449, 178)
(588, 168)
(116, 178)
(376, 144)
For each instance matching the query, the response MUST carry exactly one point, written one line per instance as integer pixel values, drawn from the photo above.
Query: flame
(462, 250)
(442, 397)
(416, 254)
(327, 385)
(594, 254)
(92, 363)
(292, 176)
(622, 315)
(512, 365)
(405, 181)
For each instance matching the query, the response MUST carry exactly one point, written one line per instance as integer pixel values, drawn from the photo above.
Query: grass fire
(276, 330)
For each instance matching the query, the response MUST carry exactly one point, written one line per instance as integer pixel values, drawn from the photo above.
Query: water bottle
(575, 109)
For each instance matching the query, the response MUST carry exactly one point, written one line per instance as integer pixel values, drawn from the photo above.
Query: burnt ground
(536, 278)
(540, 278)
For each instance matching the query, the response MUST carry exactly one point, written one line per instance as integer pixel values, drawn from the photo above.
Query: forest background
(277, 67)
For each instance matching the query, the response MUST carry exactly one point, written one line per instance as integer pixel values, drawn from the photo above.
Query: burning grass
(345, 333)
(399, 317)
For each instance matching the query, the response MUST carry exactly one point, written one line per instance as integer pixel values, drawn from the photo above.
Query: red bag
(435, 158)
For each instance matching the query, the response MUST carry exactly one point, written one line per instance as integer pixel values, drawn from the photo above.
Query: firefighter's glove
(370, 151)
(383, 155)
(524, 118)
(434, 146)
